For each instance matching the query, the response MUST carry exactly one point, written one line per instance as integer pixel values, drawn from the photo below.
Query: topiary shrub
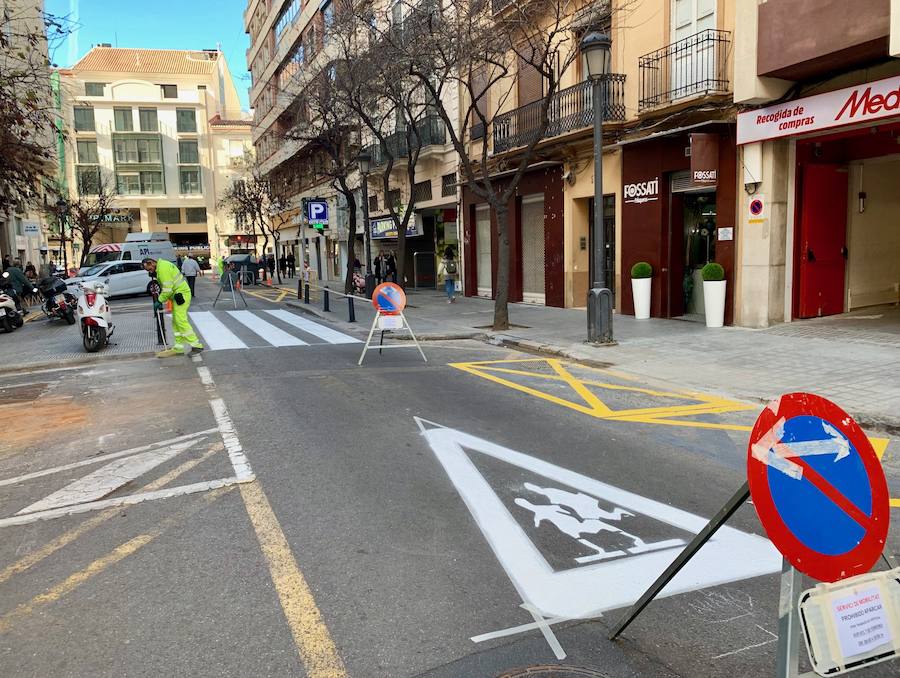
(713, 272)
(642, 270)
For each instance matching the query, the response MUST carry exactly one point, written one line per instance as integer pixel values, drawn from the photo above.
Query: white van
(136, 247)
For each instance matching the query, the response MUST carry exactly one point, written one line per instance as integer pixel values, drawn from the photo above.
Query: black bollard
(306, 293)
(299, 288)
(350, 310)
(325, 306)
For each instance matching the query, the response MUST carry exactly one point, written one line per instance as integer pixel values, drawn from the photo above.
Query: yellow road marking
(67, 538)
(579, 388)
(119, 553)
(312, 638)
(281, 296)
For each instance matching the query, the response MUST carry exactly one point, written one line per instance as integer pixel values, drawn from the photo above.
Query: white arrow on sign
(770, 449)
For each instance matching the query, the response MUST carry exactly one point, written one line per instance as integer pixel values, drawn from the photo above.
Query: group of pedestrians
(385, 266)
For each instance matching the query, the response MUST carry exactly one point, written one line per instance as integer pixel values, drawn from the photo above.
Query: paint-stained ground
(363, 548)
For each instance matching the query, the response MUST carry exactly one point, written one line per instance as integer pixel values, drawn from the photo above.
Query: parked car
(121, 277)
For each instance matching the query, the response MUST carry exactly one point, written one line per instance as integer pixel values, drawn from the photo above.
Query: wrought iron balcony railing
(570, 109)
(432, 132)
(694, 66)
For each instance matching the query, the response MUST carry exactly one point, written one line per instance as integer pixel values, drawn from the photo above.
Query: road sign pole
(689, 551)
(788, 656)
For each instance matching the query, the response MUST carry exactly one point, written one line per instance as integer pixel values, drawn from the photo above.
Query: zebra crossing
(224, 330)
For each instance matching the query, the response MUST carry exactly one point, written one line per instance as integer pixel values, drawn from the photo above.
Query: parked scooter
(94, 316)
(58, 301)
(12, 312)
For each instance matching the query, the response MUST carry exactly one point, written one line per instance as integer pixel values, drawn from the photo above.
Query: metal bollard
(325, 306)
(299, 289)
(306, 293)
(599, 316)
(350, 310)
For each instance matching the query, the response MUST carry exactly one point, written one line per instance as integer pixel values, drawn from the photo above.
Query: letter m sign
(317, 211)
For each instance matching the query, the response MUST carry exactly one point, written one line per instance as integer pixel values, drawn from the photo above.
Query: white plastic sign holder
(389, 322)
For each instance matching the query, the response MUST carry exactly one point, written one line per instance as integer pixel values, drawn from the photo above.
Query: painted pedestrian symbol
(618, 561)
(577, 514)
(818, 487)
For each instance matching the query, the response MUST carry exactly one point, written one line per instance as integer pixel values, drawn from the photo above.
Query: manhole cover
(10, 395)
(550, 671)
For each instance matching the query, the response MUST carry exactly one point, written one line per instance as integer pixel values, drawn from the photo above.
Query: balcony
(432, 132)
(692, 67)
(570, 109)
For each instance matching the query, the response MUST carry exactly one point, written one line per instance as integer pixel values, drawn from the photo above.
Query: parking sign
(317, 211)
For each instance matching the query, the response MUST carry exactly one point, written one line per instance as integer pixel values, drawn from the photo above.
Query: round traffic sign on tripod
(389, 299)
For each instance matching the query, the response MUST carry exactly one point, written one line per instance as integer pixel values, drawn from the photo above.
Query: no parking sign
(818, 487)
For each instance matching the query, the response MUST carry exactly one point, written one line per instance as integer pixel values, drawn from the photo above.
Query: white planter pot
(714, 302)
(640, 290)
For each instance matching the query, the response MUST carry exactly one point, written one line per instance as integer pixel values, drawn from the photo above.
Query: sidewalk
(853, 359)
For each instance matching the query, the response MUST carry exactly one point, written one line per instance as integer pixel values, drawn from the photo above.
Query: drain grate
(26, 393)
(552, 671)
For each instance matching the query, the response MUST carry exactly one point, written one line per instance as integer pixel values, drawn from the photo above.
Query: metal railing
(570, 109)
(432, 132)
(694, 66)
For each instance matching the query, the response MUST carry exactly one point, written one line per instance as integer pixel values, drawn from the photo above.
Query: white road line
(120, 501)
(232, 444)
(274, 335)
(216, 335)
(205, 376)
(105, 457)
(314, 328)
(107, 479)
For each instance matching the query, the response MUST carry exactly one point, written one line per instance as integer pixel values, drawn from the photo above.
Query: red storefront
(536, 239)
(678, 213)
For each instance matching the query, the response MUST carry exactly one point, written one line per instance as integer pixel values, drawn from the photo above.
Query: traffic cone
(269, 281)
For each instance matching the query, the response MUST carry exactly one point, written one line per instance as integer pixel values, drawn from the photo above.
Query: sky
(161, 24)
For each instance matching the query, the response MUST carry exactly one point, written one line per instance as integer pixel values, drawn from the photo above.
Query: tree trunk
(351, 241)
(277, 259)
(401, 255)
(501, 298)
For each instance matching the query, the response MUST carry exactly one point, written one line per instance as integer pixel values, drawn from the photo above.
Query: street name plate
(852, 623)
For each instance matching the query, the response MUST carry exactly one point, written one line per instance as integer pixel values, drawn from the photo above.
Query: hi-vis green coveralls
(172, 282)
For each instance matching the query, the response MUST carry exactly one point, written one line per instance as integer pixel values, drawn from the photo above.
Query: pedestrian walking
(270, 262)
(7, 262)
(190, 268)
(179, 261)
(174, 287)
(391, 268)
(30, 271)
(292, 265)
(282, 265)
(378, 264)
(449, 270)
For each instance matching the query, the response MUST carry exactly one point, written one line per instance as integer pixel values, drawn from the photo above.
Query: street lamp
(62, 208)
(596, 50)
(365, 164)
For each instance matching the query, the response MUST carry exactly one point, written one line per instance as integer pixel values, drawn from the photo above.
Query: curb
(70, 362)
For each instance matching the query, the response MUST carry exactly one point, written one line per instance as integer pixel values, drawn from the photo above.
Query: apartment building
(289, 47)
(24, 228)
(667, 110)
(819, 210)
(163, 129)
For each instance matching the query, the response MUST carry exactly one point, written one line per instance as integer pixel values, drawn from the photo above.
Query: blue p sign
(317, 211)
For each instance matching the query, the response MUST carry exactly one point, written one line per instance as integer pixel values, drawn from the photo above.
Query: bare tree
(87, 212)
(466, 57)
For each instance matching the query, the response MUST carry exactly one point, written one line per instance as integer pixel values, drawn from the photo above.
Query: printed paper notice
(861, 622)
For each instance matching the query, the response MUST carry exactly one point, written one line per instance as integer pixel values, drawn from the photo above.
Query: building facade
(819, 149)
(163, 130)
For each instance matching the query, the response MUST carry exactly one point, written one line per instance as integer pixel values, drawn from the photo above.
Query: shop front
(536, 239)
(678, 214)
(841, 230)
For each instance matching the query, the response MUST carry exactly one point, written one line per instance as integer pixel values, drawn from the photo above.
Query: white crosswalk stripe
(320, 331)
(229, 330)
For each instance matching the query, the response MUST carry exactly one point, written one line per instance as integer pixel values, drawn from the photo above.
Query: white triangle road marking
(215, 335)
(274, 335)
(314, 328)
(587, 591)
(107, 479)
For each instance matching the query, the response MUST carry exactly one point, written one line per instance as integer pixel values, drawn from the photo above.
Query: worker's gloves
(157, 305)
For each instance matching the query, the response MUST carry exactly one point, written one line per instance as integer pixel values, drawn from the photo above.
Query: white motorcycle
(10, 318)
(93, 316)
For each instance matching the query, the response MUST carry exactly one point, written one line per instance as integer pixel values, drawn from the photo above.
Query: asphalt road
(393, 512)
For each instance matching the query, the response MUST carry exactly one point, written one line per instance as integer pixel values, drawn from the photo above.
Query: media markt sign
(869, 101)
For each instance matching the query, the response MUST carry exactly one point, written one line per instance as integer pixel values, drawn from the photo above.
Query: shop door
(609, 225)
(483, 251)
(823, 244)
(533, 290)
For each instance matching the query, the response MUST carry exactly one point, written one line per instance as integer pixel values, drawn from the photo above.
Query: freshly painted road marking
(311, 636)
(576, 511)
(313, 328)
(215, 334)
(274, 335)
(118, 554)
(242, 470)
(105, 457)
(107, 479)
(67, 538)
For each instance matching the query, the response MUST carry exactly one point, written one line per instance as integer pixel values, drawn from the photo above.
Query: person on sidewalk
(190, 269)
(270, 262)
(390, 266)
(282, 265)
(378, 267)
(174, 287)
(450, 271)
(292, 265)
